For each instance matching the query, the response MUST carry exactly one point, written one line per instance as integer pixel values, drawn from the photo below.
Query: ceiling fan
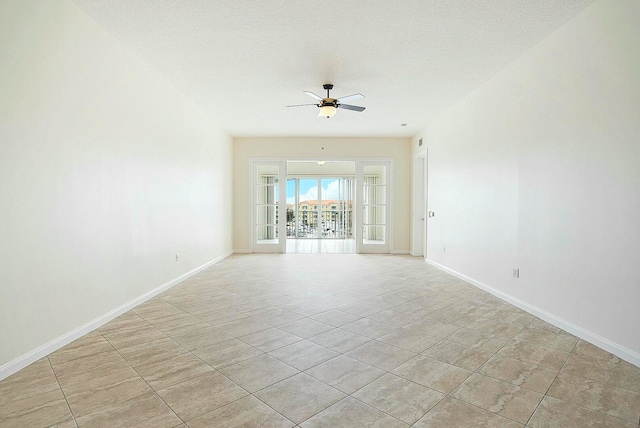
(328, 106)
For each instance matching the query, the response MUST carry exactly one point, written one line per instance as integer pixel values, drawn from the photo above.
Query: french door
(373, 206)
(269, 207)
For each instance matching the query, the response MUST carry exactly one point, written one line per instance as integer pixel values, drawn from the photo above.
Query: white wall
(539, 169)
(398, 149)
(106, 172)
(337, 169)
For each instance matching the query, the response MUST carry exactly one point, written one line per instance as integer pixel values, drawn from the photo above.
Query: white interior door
(373, 184)
(268, 221)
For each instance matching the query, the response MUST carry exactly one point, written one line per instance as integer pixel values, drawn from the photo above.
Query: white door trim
(419, 219)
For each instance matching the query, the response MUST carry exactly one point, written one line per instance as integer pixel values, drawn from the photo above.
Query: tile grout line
(476, 371)
(320, 363)
(449, 395)
(420, 353)
(73, 416)
(217, 371)
(344, 354)
(554, 380)
(185, 380)
(143, 379)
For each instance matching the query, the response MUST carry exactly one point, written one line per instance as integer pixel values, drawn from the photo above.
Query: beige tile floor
(324, 341)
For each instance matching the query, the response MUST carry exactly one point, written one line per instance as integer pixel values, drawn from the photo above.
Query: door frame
(357, 204)
(420, 204)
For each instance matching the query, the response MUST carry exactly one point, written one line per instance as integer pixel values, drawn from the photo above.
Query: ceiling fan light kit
(327, 111)
(329, 106)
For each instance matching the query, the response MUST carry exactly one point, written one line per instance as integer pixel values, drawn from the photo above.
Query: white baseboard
(23, 361)
(245, 251)
(601, 342)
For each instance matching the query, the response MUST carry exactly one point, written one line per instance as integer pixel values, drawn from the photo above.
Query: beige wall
(539, 169)
(106, 172)
(245, 149)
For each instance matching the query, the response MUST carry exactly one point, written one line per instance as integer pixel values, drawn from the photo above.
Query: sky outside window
(331, 189)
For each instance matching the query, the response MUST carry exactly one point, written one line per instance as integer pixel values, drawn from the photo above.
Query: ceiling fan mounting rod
(328, 87)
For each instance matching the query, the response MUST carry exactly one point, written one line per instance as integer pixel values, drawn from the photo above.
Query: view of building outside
(309, 215)
(336, 218)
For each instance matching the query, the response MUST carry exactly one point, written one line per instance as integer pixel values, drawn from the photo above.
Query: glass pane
(309, 190)
(308, 208)
(375, 195)
(336, 189)
(308, 224)
(267, 234)
(291, 208)
(291, 221)
(267, 214)
(267, 194)
(333, 219)
(267, 174)
(373, 234)
(374, 215)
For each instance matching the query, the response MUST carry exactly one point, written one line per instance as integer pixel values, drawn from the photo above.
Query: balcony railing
(335, 224)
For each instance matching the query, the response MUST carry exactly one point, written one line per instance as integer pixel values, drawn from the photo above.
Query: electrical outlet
(177, 257)
(516, 273)
(444, 249)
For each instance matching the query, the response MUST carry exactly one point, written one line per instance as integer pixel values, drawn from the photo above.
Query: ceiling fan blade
(312, 95)
(351, 98)
(301, 105)
(350, 107)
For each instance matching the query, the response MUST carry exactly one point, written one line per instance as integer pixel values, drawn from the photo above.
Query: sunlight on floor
(326, 246)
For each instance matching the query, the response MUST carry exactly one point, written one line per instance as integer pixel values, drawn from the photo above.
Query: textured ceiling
(242, 61)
